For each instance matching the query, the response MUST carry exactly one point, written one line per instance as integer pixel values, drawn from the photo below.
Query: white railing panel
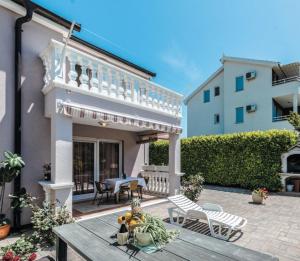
(158, 182)
(75, 68)
(158, 179)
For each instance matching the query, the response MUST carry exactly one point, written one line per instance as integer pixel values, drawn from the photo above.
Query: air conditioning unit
(250, 75)
(251, 108)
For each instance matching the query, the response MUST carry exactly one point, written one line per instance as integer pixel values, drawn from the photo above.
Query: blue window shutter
(206, 96)
(239, 115)
(239, 83)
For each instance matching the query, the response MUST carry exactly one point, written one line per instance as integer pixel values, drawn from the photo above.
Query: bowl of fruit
(134, 217)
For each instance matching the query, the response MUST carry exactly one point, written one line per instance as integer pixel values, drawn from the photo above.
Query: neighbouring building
(86, 111)
(244, 95)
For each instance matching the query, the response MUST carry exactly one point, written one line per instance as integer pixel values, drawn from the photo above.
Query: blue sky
(183, 40)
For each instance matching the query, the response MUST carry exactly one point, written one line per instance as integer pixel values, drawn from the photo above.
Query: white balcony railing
(75, 70)
(280, 118)
(286, 80)
(158, 179)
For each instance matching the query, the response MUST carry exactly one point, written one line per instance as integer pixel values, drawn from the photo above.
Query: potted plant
(10, 168)
(152, 231)
(259, 195)
(192, 185)
(289, 186)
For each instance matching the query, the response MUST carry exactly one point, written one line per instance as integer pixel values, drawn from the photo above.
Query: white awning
(80, 111)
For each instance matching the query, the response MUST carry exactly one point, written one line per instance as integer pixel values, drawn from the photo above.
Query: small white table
(115, 183)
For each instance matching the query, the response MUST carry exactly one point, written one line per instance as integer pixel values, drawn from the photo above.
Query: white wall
(201, 115)
(258, 91)
(255, 92)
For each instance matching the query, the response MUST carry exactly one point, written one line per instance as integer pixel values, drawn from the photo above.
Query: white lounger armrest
(212, 207)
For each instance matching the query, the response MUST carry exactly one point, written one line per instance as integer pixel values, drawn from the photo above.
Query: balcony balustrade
(158, 179)
(286, 80)
(280, 118)
(72, 69)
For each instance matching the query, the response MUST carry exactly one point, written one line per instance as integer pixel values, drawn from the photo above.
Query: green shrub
(192, 186)
(44, 219)
(247, 160)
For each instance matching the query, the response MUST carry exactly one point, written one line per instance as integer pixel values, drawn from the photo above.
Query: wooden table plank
(230, 250)
(107, 231)
(88, 245)
(178, 247)
(94, 240)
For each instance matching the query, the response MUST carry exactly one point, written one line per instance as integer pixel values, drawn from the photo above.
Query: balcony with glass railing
(72, 69)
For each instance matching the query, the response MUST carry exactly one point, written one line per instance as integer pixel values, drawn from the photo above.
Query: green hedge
(247, 160)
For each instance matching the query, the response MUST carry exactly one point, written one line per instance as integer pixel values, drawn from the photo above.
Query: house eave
(246, 60)
(51, 16)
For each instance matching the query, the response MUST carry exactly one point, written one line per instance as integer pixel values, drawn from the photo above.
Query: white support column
(146, 153)
(174, 164)
(295, 102)
(62, 159)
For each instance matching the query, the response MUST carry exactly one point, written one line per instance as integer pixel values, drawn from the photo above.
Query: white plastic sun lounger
(212, 213)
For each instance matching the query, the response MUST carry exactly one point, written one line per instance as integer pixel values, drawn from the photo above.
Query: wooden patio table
(94, 239)
(116, 183)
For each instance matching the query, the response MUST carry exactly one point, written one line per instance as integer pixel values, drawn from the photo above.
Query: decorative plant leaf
(156, 228)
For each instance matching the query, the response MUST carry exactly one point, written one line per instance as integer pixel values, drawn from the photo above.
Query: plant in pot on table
(259, 195)
(10, 168)
(149, 232)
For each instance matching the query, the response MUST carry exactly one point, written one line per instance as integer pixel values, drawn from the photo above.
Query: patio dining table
(116, 183)
(95, 239)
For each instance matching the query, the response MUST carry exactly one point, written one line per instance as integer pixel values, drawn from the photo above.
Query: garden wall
(247, 160)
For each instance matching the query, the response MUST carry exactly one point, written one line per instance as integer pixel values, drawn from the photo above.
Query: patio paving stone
(272, 228)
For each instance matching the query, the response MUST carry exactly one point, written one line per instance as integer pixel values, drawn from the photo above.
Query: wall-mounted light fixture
(102, 124)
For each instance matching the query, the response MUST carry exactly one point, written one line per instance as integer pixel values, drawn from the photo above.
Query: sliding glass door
(84, 168)
(109, 160)
(94, 160)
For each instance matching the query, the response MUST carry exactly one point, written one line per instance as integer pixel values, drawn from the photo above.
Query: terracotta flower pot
(257, 198)
(4, 231)
(143, 239)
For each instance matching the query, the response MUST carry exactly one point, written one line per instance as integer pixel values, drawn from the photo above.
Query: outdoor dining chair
(131, 187)
(101, 190)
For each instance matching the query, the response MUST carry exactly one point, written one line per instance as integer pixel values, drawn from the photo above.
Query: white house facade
(86, 111)
(244, 95)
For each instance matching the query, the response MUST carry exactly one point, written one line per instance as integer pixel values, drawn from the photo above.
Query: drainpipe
(18, 98)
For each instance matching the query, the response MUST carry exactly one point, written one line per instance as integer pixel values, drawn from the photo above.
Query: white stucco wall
(35, 127)
(200, 115)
